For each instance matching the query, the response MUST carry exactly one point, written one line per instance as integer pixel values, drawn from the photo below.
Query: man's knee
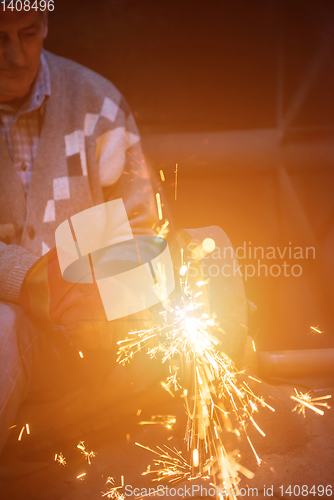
(10, 318)
(16, 331)
(10, 315)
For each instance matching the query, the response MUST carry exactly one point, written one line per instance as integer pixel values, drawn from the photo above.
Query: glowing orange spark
(21, 432)
(316, 330)
(113, 490)
(183, 270)
(60, 459)
(159, 206)
(207, 246)
(87, 454)
(217, 400)
(163, 230)
(166, 421)
(195, 457)
(306, 401)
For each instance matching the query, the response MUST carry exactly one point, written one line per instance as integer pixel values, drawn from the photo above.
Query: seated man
(67, 142)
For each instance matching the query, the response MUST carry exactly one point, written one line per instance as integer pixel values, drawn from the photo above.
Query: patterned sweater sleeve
(125, 174)
(14, 263)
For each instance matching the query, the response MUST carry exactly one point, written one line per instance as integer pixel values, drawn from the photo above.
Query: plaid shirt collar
(40, 93)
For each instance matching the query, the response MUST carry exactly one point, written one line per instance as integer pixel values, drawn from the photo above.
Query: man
(67, 142)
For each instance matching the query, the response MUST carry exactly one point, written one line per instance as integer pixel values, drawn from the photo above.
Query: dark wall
(188, 65)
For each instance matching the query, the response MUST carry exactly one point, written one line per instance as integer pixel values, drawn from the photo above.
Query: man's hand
(76, 308)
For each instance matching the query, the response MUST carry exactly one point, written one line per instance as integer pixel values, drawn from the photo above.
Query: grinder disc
(224, 293)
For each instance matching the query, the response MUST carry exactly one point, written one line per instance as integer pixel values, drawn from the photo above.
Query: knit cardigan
(89, 152)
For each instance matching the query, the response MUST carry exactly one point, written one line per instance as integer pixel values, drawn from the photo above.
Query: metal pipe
(300, 363)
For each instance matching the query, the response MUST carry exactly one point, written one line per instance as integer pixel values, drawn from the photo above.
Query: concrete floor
(295, 451)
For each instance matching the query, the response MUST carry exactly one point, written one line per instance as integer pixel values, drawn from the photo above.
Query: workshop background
(240, 95)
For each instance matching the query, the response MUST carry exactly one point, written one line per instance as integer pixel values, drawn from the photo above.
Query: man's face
(21, 42)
